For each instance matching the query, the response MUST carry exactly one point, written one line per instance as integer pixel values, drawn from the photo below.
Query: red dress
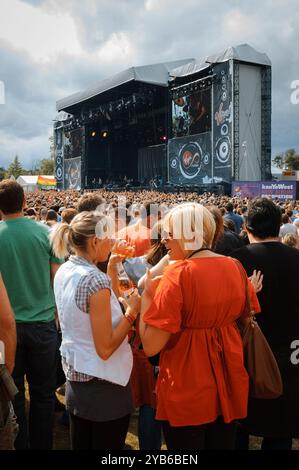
(202, 375)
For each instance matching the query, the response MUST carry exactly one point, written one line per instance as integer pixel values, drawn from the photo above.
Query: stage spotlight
(93, 134)
(104, 133)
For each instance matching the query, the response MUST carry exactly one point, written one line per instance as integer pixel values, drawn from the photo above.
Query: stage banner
(189, 159)
(72, 173)
(285, 190)
(279, 189)
(58, 145)
(222, 122)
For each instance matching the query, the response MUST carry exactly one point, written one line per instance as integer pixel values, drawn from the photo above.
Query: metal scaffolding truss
(266, 123)
(236, 123)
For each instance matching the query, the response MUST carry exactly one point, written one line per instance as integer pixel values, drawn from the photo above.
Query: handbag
(264, 375)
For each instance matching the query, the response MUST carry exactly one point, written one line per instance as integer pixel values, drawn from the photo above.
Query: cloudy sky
(52, 48)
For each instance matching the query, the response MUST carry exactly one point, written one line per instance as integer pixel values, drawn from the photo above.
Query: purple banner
(273, 189)
(279, 189)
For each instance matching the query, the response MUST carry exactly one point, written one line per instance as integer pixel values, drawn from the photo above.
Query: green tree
(291, 160)
(287, 160)
(15, 168)
(2, 173)
(278, 161)
(46, 167)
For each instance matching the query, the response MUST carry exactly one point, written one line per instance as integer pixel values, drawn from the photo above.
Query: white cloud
(238, 24)
(29, 150)
(40, 34)
(119, 47)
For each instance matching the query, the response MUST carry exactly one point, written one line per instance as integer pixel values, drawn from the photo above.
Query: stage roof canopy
(242, 53)
(161, 74)
(156, 74)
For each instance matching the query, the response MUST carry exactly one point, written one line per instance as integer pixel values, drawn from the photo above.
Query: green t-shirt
(25, 257)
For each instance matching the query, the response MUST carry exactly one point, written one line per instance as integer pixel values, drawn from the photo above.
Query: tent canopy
(25, 180)
(156, 74)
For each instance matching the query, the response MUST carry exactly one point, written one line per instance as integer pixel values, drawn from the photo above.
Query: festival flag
(46, 182)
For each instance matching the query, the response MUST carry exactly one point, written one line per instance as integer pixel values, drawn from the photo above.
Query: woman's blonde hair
(291, 239)
(75, 235)
(192, 225)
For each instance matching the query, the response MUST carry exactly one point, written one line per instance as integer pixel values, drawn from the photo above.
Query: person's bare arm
(112, 272)
(156, 270)
(153, 339)
(107, 339)
(8, 334)
(54, 268)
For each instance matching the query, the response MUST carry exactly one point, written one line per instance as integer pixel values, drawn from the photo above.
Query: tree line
(288, 160)
(42, 167)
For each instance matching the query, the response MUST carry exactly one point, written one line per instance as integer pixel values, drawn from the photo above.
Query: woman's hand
(256, 280)
(114, 260)
(151, 283)
(156, 271)
(131, 302)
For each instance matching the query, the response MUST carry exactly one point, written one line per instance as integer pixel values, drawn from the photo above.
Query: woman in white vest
(96, 356)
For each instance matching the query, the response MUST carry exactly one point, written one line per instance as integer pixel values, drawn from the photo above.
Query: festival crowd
(133, 301)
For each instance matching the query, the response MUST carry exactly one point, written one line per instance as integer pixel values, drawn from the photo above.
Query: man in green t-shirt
(28, 267)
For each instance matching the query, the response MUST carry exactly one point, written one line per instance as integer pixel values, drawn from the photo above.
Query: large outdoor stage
(189, 124)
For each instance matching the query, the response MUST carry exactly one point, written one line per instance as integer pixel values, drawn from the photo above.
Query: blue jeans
(36, 357)
(149, 429)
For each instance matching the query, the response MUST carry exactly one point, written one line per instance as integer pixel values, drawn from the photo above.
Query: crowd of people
(132, 299)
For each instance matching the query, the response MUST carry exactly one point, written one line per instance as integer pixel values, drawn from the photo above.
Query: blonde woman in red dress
(190, 316)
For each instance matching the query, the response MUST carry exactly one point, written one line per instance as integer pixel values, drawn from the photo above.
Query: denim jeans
(36, 358)
(149, 430)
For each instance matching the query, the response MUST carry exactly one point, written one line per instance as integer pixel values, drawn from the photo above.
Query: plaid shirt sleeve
(89, 285)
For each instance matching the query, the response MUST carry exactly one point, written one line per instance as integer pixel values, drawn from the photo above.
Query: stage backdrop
(152, 163)
(190, 159)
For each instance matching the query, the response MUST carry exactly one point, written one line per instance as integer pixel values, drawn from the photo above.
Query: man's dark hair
(11, 197)
(285, 219)
(89, 202)
(229, 207)
(264, 218)
(147, 208)
(51, 215)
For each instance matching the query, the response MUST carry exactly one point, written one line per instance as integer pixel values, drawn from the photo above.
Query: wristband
(130, 318)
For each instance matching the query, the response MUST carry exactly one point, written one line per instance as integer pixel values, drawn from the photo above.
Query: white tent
(29, 182)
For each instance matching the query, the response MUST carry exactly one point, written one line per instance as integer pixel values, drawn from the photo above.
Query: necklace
(197, 251)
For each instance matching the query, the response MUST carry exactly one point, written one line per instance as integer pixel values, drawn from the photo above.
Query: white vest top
(77, 346)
